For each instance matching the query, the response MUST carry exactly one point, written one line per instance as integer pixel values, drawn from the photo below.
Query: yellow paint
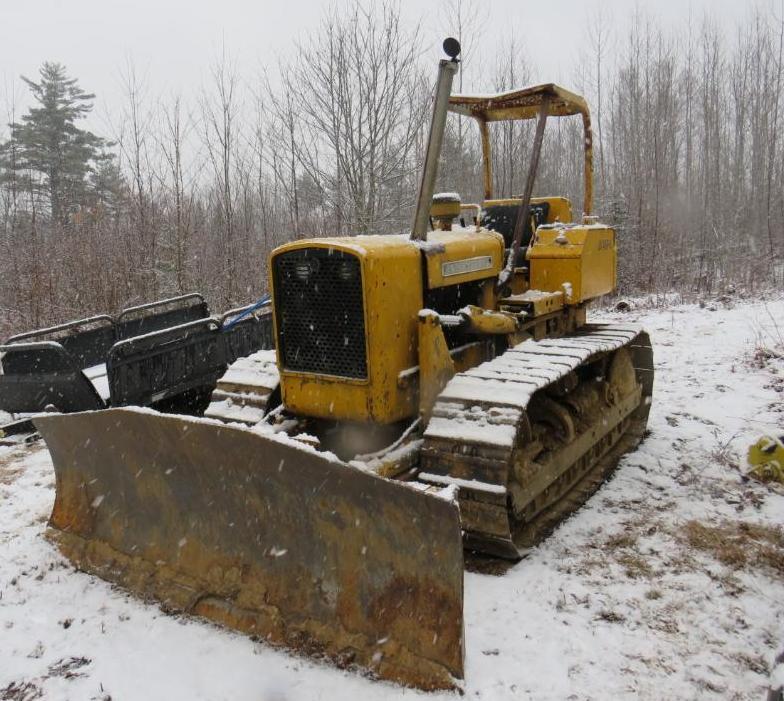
(488, 298)
(519, 282)
(519, 104)
(462, 247)
(525, 104)
(392, 283)
(766, 458)
(485, 322)
(436, 367)
(445, 209)
(577, 260)
(540, 302)
(471, 355)
(393, 287)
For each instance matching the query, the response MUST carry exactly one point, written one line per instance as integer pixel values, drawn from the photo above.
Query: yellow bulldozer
(428, 393)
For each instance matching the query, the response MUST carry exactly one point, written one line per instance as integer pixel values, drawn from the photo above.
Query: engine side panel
(462, 255)
(391, 272)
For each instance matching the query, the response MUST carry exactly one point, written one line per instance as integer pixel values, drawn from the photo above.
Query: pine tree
(108, 189)
(47, 144)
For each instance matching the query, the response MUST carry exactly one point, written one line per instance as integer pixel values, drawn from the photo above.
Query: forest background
(190, 192)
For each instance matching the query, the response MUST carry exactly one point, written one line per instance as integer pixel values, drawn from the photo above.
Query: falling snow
(617, 603)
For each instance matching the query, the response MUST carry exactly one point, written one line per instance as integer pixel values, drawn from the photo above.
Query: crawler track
(247, 391)
(529, 435)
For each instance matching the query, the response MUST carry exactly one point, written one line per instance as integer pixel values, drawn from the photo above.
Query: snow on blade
(617, 603)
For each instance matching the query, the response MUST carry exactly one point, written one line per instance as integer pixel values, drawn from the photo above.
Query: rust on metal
(263, 537)
(526, 103)
(566, 442)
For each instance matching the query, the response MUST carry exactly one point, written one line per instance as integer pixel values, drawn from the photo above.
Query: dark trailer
(167, 354)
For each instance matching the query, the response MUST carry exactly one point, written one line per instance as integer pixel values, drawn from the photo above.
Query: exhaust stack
(446, 72)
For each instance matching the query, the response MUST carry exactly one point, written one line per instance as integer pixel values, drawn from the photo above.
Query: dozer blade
(263, 536)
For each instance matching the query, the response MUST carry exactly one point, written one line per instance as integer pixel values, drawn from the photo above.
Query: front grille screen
(320, 312)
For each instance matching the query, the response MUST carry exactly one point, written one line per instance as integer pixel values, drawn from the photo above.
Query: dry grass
(610, 616)
(762, 356)
(731, 584)
(622, 547)
(10, 468)
(739, 545)
(635, 566)
(626, 539)
(754, 663)
(66, 667)
(21, 691)
(8, 475)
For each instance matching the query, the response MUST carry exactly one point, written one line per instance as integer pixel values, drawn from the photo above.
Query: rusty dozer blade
(265, 537)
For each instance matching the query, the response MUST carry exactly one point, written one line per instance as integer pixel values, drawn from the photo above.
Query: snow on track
(618, 603)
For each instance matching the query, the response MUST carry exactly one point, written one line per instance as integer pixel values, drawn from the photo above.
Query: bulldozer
(429, 394)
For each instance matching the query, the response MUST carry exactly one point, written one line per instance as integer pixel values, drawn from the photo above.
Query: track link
(247, 390)
(529, 435)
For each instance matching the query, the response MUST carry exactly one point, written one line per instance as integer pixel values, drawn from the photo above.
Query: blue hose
(263, 302)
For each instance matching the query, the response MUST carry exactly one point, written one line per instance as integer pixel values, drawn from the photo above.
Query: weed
(739, 545)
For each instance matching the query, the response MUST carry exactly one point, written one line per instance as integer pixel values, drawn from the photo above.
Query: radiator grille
(320, 312)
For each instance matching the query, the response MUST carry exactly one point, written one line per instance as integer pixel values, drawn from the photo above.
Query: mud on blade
(264, 537)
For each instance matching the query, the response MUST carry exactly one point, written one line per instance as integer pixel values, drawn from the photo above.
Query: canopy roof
(519, 104)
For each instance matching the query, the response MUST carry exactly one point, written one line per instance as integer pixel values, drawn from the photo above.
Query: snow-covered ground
(669, 583)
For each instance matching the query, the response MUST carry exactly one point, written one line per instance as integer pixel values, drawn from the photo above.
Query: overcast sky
(174, 42)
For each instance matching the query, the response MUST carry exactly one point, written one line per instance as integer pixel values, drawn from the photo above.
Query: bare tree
(690, 161)
(219, 114)
(141, 241)
(176, 129)
(357, 89)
